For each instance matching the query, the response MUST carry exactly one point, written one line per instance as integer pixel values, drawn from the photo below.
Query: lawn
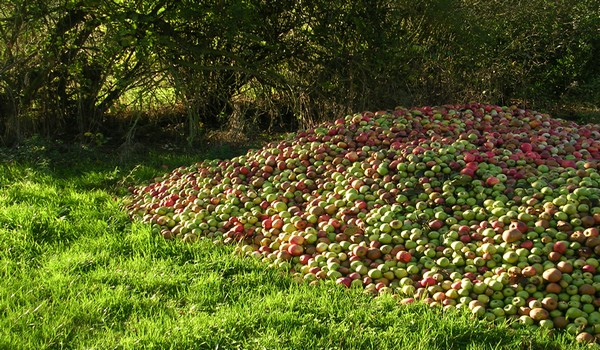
(78, 274)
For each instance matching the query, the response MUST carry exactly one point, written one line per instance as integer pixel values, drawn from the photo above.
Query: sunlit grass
(76, 273)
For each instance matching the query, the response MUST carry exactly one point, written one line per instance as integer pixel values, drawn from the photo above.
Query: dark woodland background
(171, 71)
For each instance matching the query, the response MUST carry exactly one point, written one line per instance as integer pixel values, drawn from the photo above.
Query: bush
(241, 64)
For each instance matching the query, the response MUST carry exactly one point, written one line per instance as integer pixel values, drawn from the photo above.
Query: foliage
(67, 66)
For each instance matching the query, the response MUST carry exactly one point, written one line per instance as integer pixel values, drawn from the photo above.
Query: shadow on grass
(103, 167)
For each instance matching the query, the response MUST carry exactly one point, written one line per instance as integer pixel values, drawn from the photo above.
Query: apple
(440, 203)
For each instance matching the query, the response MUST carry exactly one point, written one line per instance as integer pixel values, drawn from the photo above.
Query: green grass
(77, 274)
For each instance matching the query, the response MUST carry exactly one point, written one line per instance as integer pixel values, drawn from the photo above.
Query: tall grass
(77, 274)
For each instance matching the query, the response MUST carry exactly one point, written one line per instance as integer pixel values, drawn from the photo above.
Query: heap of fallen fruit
(490, 208)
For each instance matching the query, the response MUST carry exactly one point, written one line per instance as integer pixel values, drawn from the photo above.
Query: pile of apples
(495, 209)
